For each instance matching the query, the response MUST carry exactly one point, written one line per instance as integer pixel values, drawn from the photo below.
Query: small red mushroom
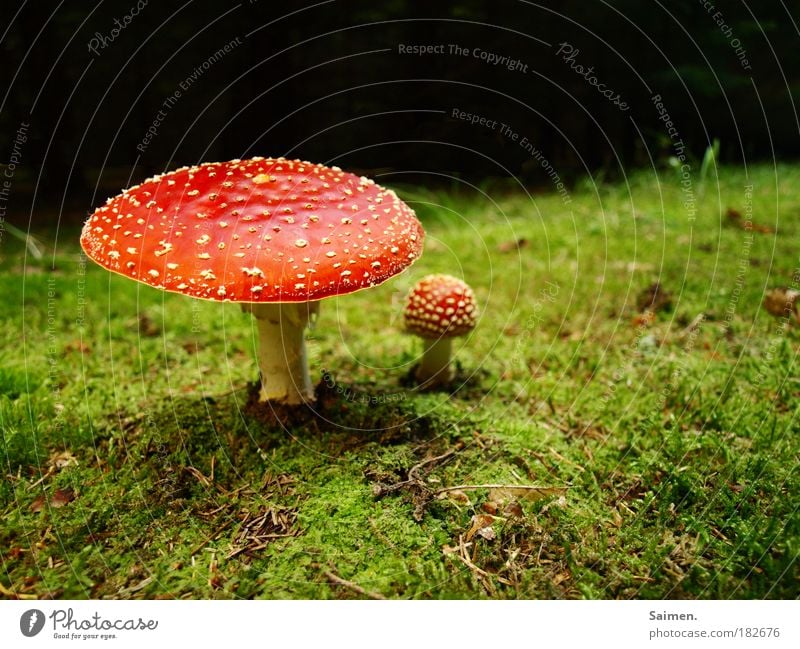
(439, 308)
(276, 235)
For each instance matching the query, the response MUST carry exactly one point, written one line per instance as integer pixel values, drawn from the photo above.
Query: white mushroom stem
(282, 358)
(435, 366)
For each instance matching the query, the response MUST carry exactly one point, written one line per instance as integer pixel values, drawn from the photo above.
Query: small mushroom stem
(435, 366)
(282, 358)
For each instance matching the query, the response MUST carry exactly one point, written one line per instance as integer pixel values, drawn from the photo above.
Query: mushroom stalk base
(282, 358)
(435, 367)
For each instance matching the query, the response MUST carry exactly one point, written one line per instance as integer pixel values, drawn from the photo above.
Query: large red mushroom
(276, 235)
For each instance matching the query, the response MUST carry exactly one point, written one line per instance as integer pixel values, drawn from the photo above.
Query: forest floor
(639, 452)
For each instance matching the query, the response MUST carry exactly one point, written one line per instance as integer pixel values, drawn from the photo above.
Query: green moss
(678, 449)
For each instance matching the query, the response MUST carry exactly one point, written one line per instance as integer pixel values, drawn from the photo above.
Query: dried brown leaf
(77, 345)
(654, 298)
(644, 319)
(782, 302)
(448, 550)
(59, 498)
(513, 509)
(62, 497)
(147, 327)
(561, 502)
(511, 246)
(62, 460)
(479, 522)
(457, 496)
(506, 494)
(733, 215)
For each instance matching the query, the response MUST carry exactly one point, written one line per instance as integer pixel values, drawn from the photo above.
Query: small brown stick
(10, 593)
(236, 552)
(383, 490)
(44, 477)
(560, 457)
(412, 471)
(698, 320)
(336, 579)
(213, 537)
(545, 464)
(199, 475)
(474, 487)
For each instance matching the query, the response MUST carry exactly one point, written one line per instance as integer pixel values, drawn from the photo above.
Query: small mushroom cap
(440, 306)
(257, 230)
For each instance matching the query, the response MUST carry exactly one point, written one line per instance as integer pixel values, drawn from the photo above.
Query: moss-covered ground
(665, 444)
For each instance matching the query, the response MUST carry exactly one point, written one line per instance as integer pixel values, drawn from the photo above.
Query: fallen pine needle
(474, 487)
(10, 593)
(336, 579)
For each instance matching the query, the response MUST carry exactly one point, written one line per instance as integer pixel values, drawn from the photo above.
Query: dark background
(312, 82)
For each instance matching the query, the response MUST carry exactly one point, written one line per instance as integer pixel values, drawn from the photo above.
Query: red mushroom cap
(440, 306)
(258, 230)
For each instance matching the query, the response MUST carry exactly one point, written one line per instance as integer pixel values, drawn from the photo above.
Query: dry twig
(336, 579)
